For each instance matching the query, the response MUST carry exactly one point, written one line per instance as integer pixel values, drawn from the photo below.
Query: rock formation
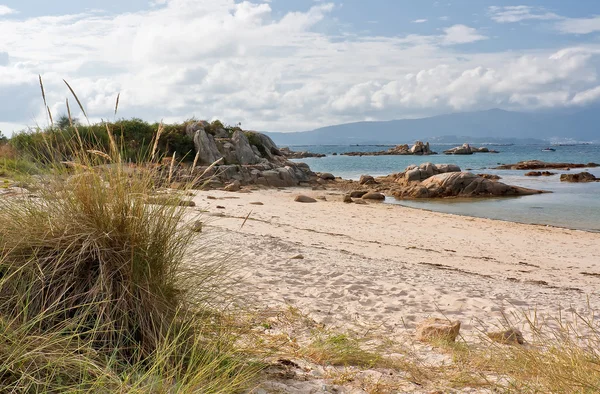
(460, 184)
(467, 149)
(290, 154)
(541, 165)
(419, 148)
(430, 180)
(246, 157)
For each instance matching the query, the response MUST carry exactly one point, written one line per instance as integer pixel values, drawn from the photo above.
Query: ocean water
(571, 205)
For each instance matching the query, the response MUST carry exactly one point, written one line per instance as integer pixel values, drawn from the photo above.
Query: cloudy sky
(291, 65)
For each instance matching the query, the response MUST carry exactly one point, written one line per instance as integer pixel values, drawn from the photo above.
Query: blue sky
(285, 65)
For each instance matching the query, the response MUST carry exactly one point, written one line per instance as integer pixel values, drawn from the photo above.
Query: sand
(388, 267)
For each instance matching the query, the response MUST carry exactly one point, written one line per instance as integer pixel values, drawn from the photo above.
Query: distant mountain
(494, 126)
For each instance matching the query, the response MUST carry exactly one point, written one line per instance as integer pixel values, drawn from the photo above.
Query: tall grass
(94, 294)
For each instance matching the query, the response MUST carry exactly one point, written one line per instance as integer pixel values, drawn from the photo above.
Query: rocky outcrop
(540, 173)
(290, 154)
(467, 149)
(542, 165)
(460, 184)
(247, 158)
(419, 148)
(581, 177)
(367, 180)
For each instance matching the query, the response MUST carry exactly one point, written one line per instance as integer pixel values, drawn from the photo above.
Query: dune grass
(94, 293)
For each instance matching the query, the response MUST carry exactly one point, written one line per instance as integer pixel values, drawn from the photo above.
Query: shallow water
(571, 205)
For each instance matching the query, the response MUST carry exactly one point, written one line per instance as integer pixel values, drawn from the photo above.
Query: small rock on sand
(233, 186)
(347, 199)
(196, 226)
(511, 336)
(256, 203)
(358, 193)
(304, 199)
(297, 257)
(438, 329)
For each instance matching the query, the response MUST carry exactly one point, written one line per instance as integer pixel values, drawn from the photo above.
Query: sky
(294, 65)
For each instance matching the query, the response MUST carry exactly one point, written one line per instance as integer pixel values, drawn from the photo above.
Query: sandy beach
(388, 267)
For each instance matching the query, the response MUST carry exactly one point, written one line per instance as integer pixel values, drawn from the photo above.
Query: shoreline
(495, 219)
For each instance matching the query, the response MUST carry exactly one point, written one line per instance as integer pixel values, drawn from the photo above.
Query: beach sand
(382, 268)
(389, 266)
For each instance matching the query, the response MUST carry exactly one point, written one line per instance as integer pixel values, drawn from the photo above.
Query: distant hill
(496, 126)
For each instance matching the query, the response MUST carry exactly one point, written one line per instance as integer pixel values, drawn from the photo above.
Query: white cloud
(579, 25)
(240, 62)
(419, 21)
(461, 34)
(513, 14)
(5, 10)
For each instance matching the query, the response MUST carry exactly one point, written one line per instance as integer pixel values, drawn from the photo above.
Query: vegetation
(94, 293)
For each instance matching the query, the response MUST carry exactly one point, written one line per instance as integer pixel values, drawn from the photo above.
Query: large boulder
(424, 171)
(460, 184)
(205, 143)
(243, 149)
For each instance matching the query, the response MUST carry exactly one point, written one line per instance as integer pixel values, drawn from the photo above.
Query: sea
(570, 205)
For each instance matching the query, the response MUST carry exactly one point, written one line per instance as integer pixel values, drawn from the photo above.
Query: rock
(347, 199)
(366, 180)
(290, 154)
(233, 186)
(460, 184)
(465, 149)
(297, 257)
(373, 196)
(511, 336)
(539, 173)
(419, 148)
(424, 171)
(256, 203)
(327, 176)
(538, 165)
(581, 177)
(204, 143)
(434, 329)
(334, 154)
(304, 199)
(322, 198)
(243, 150)
(196, 226)
(220, 207)
(358, 193)
(491, 177)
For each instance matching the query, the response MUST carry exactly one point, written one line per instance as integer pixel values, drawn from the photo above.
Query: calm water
(571, 205)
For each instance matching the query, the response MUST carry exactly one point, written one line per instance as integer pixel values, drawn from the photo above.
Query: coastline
(495, 219)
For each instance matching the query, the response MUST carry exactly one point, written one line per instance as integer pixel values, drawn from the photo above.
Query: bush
(135, 138)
